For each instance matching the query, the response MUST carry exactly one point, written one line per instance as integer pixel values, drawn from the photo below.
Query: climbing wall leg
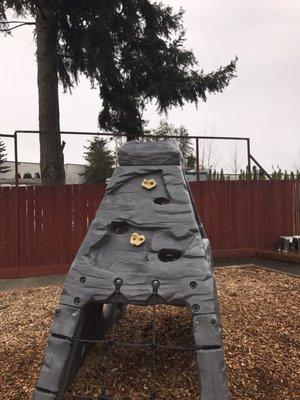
(210, 360)
(65, 352)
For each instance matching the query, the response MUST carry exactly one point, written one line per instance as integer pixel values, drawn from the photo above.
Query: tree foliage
(3, 168)
(100, 161)
(167, 129)
(132, 50)
(191, 162)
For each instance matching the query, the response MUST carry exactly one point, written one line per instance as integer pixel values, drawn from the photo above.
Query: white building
(73, 173)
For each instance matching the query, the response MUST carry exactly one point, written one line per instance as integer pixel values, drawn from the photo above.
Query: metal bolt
(193, 285)
(77, 300)
(118, 282)
(57, 311)
(82, 279)
(197, 323)
(74, 315)
(213, 321)
(155, 284)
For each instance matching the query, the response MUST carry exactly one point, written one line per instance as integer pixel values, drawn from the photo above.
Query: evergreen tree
(131, 50)
(248, 173)
(222, 176)
(209, 176)
(191, 161)
(27, 175)
(3, 168)
(261, 175)
(214, 175)
(292, 176)
(254, 173)
(100, 161)
(286, 176)
(279, 174)
(298, 174)
(167, 129)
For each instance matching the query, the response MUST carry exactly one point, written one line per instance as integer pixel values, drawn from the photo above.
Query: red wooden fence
(41, 228)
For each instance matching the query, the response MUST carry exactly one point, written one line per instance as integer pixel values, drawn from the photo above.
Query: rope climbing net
(112, 343)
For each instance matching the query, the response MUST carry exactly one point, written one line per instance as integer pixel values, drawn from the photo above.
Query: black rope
(136, 344)
(116, 342)
(155, 285)
(179, 348)
(153, 345)
(110, 344)
(81, 397)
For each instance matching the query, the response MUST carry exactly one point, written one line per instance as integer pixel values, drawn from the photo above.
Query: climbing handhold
(137, 239)
(149, 184)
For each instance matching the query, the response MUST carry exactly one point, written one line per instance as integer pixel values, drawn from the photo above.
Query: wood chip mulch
(260, 316)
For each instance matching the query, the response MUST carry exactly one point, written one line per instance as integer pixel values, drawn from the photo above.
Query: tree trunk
(51, 150)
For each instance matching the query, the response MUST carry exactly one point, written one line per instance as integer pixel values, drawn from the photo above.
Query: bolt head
(118, 281)
(77, 300)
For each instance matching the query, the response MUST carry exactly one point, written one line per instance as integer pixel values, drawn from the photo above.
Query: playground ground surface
(259, 311)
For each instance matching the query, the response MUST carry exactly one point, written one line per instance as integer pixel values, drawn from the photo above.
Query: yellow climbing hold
(137, 239)
(149, 184)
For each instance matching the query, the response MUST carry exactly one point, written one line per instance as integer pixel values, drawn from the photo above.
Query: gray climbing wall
(145, 243)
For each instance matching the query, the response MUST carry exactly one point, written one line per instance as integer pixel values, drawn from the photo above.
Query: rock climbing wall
(146, 246)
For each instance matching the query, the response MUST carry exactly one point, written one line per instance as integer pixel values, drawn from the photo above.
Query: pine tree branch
(19, 25)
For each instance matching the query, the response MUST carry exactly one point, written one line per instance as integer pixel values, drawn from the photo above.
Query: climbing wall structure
(146, 246)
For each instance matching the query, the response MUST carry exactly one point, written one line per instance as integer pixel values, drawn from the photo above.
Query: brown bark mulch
(260, 316)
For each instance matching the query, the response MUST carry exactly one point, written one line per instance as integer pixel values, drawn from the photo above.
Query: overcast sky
(262, 103)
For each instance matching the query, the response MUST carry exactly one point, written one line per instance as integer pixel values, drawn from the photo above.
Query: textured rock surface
(108, 269)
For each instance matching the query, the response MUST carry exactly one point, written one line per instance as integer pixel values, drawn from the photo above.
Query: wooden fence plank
(22, 226)
(39, 233)
(6, 230)
(30, 227)
(53, 220)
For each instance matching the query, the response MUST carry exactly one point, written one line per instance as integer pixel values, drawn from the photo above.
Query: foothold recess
(169, 255)
(149, 184)
(136, 239)
(119, 227)
(161, 201)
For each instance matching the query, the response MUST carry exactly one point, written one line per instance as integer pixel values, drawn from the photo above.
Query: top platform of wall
(166, 152)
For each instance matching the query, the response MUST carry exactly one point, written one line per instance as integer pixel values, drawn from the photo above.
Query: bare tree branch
(19, 24)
